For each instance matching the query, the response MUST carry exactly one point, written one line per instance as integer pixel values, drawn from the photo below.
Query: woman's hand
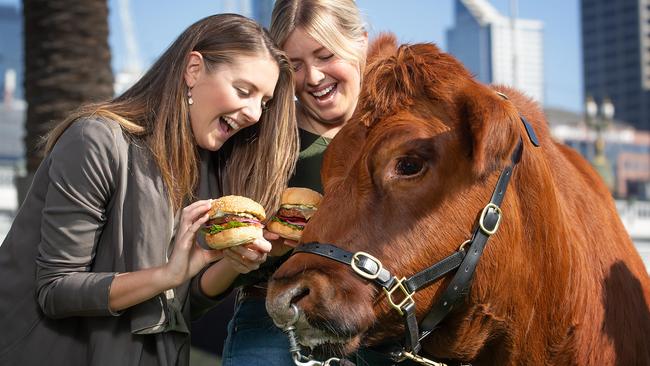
(280, 245)
(187, 257)
(247, 257)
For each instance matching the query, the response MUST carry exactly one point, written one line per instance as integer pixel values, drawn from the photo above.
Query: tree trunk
(67, 64)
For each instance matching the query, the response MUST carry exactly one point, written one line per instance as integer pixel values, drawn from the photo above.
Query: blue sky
(158, 22)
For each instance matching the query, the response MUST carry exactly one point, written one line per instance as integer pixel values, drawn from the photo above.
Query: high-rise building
(498, 49)
(616, 56)
(260, 10)
(11, 50)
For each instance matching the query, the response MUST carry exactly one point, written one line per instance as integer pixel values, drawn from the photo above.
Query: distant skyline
(157, 23)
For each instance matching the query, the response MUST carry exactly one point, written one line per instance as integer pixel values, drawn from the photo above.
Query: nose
(314, 75)
(253, 111)
(282, 305)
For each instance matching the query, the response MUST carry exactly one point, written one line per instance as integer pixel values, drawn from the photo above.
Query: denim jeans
(253, 339)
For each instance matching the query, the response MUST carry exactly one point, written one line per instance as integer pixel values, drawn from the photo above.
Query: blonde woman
(96, 270)
(326, 42)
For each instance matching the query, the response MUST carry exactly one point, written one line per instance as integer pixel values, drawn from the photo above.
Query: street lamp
(599, 122)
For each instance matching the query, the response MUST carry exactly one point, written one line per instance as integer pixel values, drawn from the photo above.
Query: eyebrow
(252, 86)
(320, 49)
(249, 84)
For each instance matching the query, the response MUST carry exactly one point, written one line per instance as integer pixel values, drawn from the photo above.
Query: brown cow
(560, 283)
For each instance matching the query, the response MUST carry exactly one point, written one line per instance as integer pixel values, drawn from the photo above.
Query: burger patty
(228, 218)
(291, 212)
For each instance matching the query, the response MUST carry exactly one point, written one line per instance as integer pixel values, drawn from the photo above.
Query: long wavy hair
(256, 162)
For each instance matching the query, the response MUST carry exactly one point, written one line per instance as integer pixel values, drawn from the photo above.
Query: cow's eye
(409, 166)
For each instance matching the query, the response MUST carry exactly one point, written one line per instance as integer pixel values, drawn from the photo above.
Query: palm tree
(67, 63)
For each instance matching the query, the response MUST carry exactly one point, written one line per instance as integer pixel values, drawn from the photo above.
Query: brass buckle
(462, 246)
(361, 272)
(484, 213)
(408, 297)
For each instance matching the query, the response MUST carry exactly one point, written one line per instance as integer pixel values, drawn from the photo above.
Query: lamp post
(599, 119)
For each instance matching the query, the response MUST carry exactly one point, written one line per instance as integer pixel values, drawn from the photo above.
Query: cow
(406, 185)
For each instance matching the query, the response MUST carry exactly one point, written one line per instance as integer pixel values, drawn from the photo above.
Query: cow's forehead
(408, 123)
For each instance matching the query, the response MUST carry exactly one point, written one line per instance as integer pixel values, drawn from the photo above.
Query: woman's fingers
(199, 222)
(197, 204)
(269, 235)
(187, 238)
(194, 211)
(238, 266)
(240, 262)
(261, 245)
(248, 253)
(211, 255)
(290, 243)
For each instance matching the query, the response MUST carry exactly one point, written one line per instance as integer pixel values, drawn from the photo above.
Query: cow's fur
(559, 284)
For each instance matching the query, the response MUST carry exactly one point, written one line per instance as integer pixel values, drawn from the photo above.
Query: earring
(190, 101)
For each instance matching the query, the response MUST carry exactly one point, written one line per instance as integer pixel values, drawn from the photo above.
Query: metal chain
(421, 360)
(298, 358)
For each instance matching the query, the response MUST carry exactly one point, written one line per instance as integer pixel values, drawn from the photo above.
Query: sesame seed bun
(237, 204)
(300, 196)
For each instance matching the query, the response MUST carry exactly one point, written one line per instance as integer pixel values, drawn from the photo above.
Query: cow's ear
(491, 125)
(384, 45)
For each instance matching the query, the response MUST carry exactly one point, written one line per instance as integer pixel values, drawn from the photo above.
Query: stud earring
(190, 101)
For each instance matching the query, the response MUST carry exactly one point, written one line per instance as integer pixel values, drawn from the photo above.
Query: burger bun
(300, 196)
(233, 237)
(284, 230)
(237, 204)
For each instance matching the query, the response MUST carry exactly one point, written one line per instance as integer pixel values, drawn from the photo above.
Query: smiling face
(228, 97)
(326, 85)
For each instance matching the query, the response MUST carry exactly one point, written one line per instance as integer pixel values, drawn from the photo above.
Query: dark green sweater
(307, 174)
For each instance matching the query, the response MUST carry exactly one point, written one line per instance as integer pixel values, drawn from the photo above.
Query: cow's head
(404, 181)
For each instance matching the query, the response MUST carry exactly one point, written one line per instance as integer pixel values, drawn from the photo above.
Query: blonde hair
(336, 24)
(256, 162)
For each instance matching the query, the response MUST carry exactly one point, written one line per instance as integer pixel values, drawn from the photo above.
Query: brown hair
(256, 162)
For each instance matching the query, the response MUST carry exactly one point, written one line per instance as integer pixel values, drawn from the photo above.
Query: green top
(310, 160)
(307, 175)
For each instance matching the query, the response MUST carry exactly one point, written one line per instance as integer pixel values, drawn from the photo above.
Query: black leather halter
(464, 262)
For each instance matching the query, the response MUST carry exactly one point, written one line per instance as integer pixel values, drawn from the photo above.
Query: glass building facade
(11, 47)
(616, 56)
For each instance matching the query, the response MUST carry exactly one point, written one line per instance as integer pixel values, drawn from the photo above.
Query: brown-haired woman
(326, 41)
(101, 265)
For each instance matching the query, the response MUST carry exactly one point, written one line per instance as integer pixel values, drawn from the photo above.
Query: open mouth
(227, 124)
(325, 93)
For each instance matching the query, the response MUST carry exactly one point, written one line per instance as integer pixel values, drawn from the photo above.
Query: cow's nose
(279, 304)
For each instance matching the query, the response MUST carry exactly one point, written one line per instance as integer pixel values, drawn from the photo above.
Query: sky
(158, 22)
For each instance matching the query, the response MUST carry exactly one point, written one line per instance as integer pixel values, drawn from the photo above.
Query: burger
(297, 206)
(234, 220)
